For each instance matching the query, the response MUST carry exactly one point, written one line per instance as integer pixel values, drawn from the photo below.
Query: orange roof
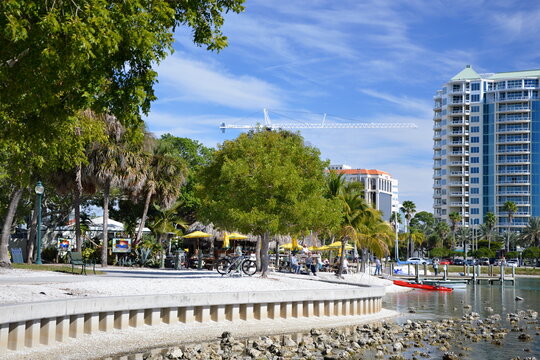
(361, 172)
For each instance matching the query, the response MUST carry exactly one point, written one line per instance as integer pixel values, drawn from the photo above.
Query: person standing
(294, 263)
(377, 266)
(436, 266)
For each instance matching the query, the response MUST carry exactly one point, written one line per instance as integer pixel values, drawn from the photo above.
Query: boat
(421, 286)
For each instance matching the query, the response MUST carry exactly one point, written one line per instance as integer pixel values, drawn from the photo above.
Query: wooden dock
(470, 275)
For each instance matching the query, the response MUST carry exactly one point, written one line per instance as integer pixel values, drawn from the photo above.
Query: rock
(489, 309)
(254, 353)
(412, 310)
(397, 347)
(379, 354)
(450, 356)
(174, 353)
(524, 337)
(467, 307)
(226, 334)
(519, 298)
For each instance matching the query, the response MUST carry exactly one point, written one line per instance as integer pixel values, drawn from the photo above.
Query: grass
(63, 268)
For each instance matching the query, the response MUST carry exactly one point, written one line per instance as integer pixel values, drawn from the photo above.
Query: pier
(470, 274)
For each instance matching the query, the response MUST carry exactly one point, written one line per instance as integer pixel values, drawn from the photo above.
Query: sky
(357, 60)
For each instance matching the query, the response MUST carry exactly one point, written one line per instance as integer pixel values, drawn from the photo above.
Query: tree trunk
(258, 247)
(341, 267)
(264, 254)
(104, 248)
(143, 218)
(77, 206)
(6, 229)
(32, 235)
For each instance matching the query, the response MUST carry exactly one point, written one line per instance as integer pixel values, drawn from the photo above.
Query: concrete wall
(45, 323)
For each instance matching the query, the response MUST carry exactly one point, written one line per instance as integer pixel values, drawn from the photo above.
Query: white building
(380, 189)
(486, 146)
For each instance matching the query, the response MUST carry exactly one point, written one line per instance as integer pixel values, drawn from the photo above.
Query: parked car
(445, 262)
(457, 262)
(512, 263)
(483, 261)
(471, 262)
(417, 260)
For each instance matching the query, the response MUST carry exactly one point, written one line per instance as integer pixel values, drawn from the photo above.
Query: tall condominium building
(487, 146)
(380, 189)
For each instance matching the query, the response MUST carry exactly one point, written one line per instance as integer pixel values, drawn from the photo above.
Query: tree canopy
(266, 183)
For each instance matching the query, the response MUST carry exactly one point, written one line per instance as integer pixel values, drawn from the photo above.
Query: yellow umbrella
(323, 248)
(196, 234)
(313, 248)
(289, 246)
(337, 245)
(226, 241)
(237, 236)
(294, 243)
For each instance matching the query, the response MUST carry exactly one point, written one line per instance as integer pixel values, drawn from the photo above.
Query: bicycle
(225, 265)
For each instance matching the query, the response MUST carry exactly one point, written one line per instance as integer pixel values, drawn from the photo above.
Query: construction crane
(269, 125)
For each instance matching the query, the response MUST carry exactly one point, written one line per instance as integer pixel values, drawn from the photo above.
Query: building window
(475, 170)
(475, 86)
(475, 119)
(475, 108)
(444, 101)
(475, 149)
(476, 221)
(475, 180)
(531, 83)
(475, 201)
(475, 211)
(475, 128)
(475, 160)
(475, 139)
(475, 98)
(514, 84)
(475, 190)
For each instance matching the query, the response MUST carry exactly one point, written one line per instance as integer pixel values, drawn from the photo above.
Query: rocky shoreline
(449, 339)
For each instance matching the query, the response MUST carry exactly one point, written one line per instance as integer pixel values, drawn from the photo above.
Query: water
(433, 305)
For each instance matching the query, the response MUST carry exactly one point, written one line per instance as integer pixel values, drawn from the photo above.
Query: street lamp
(39, 189)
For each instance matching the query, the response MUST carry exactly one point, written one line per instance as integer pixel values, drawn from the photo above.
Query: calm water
(432, 305)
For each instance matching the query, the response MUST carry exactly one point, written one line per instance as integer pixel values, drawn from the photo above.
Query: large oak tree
(267, 183)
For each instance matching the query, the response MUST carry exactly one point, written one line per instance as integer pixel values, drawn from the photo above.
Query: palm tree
(409, 208)
(464, 233)
(354, 207)
(395, 220)
(167, 221)
(510, 208)
(335, 183)
(531, 234)
(374, 234)
(455, 218)
(113, 162)
(165, 174)
(442, 229)
(490, 220)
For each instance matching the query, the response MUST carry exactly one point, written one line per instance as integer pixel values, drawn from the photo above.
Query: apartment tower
(487, 146)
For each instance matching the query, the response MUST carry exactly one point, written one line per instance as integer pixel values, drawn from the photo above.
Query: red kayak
(421, 286)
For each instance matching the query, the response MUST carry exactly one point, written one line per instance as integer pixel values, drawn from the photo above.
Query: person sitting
(309, 263)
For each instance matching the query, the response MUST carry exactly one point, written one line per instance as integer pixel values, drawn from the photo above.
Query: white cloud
(189, 80)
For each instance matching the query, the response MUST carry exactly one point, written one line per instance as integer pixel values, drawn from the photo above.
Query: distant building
(380, 189)
(486, 146)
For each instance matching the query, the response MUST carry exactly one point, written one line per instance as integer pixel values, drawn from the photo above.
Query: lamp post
(39, 189)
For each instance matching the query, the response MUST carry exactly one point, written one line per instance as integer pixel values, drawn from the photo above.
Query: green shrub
(50, 254)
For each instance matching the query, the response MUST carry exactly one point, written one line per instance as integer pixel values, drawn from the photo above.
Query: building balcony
(459, 173)
(458, 203)
(458, 183)
(515, 130)
(524, 172)
(459, 153)
(462, 163)
(517, 161)
(459, 193)
(511, 192)
(513, 151)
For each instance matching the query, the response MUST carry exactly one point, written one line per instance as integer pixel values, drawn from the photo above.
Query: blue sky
(377, 60)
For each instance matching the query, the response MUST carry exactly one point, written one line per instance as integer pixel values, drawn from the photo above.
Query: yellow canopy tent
(289, 246)
(195, 235)
(237, 236)
(337, 245)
